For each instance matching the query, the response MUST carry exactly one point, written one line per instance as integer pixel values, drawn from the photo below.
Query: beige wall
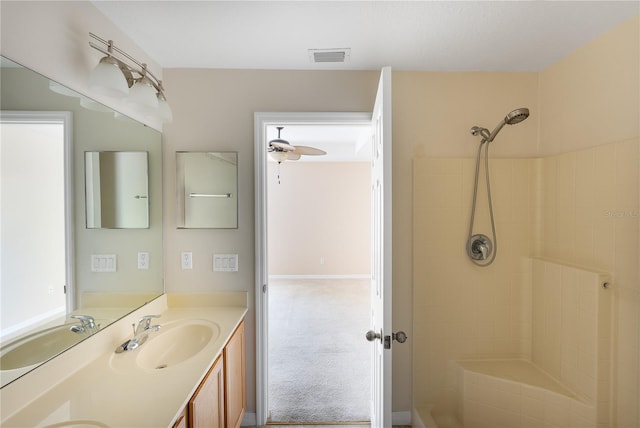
(591, 96)
(319, 210)
(213, 110)
(590, 105)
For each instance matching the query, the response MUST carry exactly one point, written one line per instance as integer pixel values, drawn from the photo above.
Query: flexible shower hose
(492, 257)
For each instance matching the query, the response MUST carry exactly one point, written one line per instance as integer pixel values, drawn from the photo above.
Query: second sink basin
(176, 343)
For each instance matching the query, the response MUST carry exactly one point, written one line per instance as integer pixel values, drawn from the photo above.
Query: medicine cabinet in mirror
(207, 190)
(43, 288)
(116, 190)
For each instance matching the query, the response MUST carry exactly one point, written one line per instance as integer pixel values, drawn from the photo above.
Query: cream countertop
(104, 393)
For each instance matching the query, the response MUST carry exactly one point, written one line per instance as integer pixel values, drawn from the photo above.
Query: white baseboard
(397, 418)
(249, 420)
(350, 276)
(401, 418)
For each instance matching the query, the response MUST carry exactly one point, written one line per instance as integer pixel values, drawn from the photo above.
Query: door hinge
(264, 288)
(64, 289)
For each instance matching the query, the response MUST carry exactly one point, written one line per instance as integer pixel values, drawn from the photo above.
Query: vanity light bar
(205, 195)
(109, 48)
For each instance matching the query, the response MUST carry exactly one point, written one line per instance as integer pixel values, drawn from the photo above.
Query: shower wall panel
(462, 310)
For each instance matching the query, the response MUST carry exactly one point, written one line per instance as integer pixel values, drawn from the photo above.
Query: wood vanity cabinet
(234, 375)
(220, 400)
(206, 408)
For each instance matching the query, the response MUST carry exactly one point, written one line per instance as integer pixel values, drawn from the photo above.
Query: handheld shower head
(516, 116)
(513, 117)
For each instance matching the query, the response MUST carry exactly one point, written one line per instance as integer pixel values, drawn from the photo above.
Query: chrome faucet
(87, 325)
(140, 333)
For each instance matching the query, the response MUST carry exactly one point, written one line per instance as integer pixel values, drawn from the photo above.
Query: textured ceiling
(407, 35)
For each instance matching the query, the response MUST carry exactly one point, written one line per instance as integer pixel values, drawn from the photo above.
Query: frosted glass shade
(164, 110)
(143, 95)
(107, 79)
(279, 156)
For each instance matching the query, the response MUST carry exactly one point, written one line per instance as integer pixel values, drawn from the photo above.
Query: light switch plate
(225, 263)
(103, 263)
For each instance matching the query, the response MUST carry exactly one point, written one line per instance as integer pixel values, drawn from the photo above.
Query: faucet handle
(85, 320)
(145, 321)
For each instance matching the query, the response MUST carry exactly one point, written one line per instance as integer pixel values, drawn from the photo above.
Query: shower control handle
(479, 247)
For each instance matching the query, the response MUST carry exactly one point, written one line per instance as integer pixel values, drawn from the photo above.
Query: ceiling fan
(281, 150)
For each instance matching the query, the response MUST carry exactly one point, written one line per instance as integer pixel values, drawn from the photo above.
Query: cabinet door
(206, 408)
(234, 363)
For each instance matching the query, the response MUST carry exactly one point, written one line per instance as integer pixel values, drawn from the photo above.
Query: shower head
(516, 116)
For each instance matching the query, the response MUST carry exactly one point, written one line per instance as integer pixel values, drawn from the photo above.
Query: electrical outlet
(143, 260)
(50, 289)
(186, 259)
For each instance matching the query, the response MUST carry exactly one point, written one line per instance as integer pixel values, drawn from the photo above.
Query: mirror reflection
(116, 189)
(207, 187)
(53, 297)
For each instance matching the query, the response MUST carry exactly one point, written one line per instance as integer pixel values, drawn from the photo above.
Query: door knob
(400, 337)
(372, 335)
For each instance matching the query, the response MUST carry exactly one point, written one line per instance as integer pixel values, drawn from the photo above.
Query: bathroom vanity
(189, 373)
(220, 399)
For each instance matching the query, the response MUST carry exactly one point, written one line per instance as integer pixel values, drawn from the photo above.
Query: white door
(380, 334)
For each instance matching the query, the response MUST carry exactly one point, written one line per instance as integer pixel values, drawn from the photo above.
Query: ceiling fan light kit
(281, 150)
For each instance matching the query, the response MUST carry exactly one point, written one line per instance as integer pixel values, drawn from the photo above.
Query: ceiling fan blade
(293, 156)
(309, 151)
(281, 145)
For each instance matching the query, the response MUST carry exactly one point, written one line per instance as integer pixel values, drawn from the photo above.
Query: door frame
(66, 119)
(261, 121)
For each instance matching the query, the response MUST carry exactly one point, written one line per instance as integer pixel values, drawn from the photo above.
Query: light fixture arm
(128, 70)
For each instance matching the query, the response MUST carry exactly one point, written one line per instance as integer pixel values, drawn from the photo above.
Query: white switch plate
(225, 263)
(143, 260)
(186, 260)
(103, 263)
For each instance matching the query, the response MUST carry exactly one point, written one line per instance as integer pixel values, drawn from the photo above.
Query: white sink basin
(174, 344)
(38, 347)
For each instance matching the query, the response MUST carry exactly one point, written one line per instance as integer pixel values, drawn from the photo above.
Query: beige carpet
(319, 360)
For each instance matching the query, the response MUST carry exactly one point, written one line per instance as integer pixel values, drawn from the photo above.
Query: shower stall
(548, 334)
(527, 337)
(533, 335)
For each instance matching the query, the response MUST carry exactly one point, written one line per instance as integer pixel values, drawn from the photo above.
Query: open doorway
(318, 269)
(319, 283)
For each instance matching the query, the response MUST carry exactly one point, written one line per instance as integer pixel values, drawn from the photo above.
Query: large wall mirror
(48, 278)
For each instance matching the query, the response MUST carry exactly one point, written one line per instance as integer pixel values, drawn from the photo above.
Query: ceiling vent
(329, 55)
